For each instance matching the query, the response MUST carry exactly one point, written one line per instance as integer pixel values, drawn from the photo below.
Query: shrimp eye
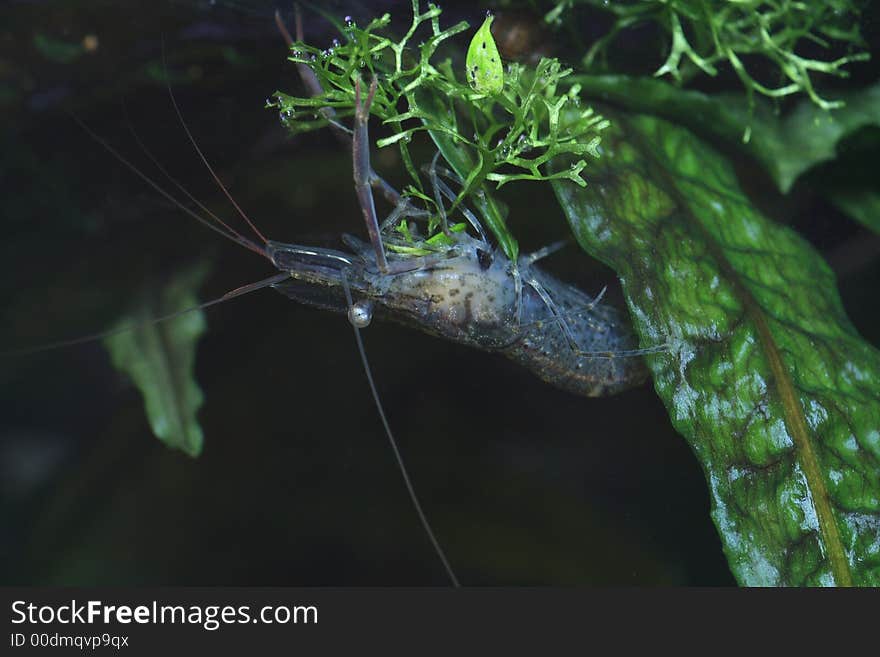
(484, 258)
(360, 314)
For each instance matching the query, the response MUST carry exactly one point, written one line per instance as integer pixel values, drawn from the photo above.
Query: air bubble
(360, 314)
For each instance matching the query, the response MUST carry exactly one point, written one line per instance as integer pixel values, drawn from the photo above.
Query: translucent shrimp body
(474, 296)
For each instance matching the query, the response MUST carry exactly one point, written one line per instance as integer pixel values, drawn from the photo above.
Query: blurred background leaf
(160, 358)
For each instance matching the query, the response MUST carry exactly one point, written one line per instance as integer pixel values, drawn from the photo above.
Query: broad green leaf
(765, 377)
(786, 146)
(485, 72)
(160, 359)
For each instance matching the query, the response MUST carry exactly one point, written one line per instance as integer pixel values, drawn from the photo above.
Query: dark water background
(524, 484)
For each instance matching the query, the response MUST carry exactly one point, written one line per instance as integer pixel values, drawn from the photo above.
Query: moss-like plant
(709, 33)
(494, 134)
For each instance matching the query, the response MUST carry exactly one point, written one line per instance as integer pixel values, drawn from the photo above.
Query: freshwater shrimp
(467, 292)
(462, 471)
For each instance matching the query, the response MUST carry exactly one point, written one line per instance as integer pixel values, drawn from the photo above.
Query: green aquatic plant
(768, 381)
(773, 388)
(494, 135)
(706, 34)
(765, 377)
(160, 358)
(787, 146)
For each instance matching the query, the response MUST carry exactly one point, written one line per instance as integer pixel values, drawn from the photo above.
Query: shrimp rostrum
(460, 287)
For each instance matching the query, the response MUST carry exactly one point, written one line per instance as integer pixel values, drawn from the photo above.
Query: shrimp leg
(313, 86)
(365, 178)
(434, 172)
(360, 155)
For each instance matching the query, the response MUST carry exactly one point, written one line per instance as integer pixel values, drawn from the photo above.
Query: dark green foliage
(704, 34)
(766, 378)
(484, 137)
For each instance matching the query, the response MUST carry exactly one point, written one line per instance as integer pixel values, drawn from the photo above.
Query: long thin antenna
(92, 337)
(183, 190)
(204, 159)
(406, 480)
(225, 231)
(285, 34)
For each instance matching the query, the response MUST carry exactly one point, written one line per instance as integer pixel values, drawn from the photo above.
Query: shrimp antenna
(173, 180)
(94, 337)
(202, 155)
(397, 455)
(223, 229)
